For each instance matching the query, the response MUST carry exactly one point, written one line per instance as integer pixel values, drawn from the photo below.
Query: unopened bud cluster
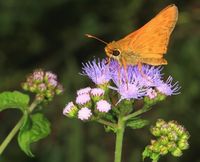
(90, 102)
(44, 84)
(172, 138)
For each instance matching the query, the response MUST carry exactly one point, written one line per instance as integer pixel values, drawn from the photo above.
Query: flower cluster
(89, 103)
(132, 82)
(172, 138)
(44, 84)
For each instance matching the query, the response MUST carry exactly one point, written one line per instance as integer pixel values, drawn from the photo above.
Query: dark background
(49, 34)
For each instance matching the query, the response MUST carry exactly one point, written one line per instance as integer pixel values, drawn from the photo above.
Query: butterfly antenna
(91, 36)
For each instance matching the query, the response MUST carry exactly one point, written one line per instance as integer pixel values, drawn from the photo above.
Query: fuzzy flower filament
(97, 71)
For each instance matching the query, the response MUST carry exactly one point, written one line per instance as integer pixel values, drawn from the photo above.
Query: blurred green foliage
(50, 35)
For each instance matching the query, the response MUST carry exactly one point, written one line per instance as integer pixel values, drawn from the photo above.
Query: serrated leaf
(35, 128)
(137, 123)
(13, 100)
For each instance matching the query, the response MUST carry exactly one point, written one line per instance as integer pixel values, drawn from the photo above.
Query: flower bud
(39, 97)
(172, 136)
(84, 91)
(163, 140)
(183, 144)
(103, 106)
(70, 110)
(83, 100)
(171, 146)
(177, 152)
(84, 113)
(160, 123)
(97, 94)
(155, 131)
(163, 150)
(33, 88)
(45, 85)
(173, 124)
(185, 135)
(165, 129)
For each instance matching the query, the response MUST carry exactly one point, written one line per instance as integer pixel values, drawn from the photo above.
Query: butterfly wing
(150, 42)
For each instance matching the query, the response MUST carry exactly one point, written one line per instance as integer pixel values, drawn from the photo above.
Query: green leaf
(35, 128)
(13, 100)
(137, 123)
(110, 129)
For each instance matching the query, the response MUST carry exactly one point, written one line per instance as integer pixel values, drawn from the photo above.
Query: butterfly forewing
(149, 43)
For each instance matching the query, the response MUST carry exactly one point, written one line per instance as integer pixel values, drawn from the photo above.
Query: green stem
(106, 123)
(139, 112)
(15, 129)
(10, 136)
(119, 139)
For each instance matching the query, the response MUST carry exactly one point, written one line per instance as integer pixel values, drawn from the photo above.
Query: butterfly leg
(119, 74)
(125, 69)
(140, 69)
(107, 61)
(142, 73)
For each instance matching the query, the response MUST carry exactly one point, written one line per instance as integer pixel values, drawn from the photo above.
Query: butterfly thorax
(118, 51)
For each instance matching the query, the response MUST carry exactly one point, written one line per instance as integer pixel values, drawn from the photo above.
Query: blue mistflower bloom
(128, 84)
(131, 83)
(151, 76)
(168, 88)
(97, 71)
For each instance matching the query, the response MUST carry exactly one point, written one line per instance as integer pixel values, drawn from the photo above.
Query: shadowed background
(50, 35)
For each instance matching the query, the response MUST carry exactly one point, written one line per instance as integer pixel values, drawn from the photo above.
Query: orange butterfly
(147, 44)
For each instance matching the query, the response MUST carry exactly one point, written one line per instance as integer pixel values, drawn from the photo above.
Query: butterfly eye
(116, 52)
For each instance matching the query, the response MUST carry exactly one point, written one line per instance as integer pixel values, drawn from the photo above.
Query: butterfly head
(113, 50)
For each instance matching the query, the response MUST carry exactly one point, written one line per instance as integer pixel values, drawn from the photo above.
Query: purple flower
(103, 106)
(97, 71)
(84, 91)
(129, 85)
(168, 88)
(132, 82)
(150, 76)
(84, 113)
(83, 99)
